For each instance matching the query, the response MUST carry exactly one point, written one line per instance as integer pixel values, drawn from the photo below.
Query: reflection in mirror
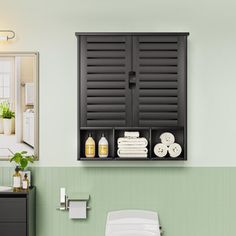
(18, 104)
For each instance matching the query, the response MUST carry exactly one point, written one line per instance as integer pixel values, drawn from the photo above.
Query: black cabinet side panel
(82, 81)
(31, 212)
(182, 81)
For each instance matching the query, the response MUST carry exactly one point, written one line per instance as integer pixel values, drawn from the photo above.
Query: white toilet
(132, 223)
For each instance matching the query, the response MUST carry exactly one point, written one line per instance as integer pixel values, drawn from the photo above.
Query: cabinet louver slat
(158, 108)
(161, 93)
(160, 77)
(105, 63)
(157, 39)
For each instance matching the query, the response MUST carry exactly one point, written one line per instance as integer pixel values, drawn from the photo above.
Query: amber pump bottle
(90, 147)
(17, 180)
(103, 147)
(25, 183)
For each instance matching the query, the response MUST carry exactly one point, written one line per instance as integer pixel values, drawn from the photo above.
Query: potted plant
(3, 105)
(7, 115)
(22, 160)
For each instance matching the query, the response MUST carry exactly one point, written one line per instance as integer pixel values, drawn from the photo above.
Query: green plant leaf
(23, 163)
(30, 159)
(22, 159)
(7, 113)
(3, 106)
(17, 157)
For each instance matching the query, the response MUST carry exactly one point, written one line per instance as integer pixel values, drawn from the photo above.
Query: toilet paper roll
(174, 150)
(160, 150)
(167, 138)
(78, 210)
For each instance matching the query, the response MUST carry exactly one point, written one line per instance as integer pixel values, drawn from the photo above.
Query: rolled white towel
(160, 150)
(132, 151)
(134, 134)
(174, 150)
(167, 138)
(133, 141)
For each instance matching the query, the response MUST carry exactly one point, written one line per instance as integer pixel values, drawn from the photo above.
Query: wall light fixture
(5, 35)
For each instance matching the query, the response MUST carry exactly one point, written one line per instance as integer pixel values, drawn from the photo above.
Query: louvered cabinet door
(160, 93)
(105, 62)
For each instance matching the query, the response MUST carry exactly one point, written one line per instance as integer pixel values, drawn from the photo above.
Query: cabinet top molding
(134, 33)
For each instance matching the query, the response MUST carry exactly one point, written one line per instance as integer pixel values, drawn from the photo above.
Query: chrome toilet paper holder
(65, 199)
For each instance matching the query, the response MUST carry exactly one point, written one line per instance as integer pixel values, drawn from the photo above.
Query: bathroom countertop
(23, 192)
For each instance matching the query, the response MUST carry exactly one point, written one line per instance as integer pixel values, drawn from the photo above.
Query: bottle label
(103, 150)
(90, 150)
(24, 184)
(16, 182)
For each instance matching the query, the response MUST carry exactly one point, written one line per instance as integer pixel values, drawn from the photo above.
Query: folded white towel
(175, 150)
(130, 134)
(131, 146)
(132, 155)
(132, 141)
(160, 150)
(132, 151)
(167, 138)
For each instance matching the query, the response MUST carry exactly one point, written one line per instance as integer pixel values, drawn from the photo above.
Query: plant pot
(1, 125)
(7, 126)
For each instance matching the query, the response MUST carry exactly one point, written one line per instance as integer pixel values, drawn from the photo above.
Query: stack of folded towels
(131, 145)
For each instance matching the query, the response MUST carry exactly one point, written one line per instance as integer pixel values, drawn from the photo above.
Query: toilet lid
(132, 223)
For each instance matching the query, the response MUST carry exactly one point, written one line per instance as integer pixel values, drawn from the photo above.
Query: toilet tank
(132, 223)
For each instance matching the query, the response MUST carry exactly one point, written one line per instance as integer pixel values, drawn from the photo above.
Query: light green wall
(190, 201)
(48, 26)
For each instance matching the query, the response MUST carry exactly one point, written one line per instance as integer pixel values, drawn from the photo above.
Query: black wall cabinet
(132, 81)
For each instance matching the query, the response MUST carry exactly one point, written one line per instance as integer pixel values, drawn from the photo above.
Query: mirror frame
(36, 109)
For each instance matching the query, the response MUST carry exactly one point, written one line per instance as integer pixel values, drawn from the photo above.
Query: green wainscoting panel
(190, 201)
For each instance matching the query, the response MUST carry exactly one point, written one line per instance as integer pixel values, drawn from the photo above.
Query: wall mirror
(19, 109)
